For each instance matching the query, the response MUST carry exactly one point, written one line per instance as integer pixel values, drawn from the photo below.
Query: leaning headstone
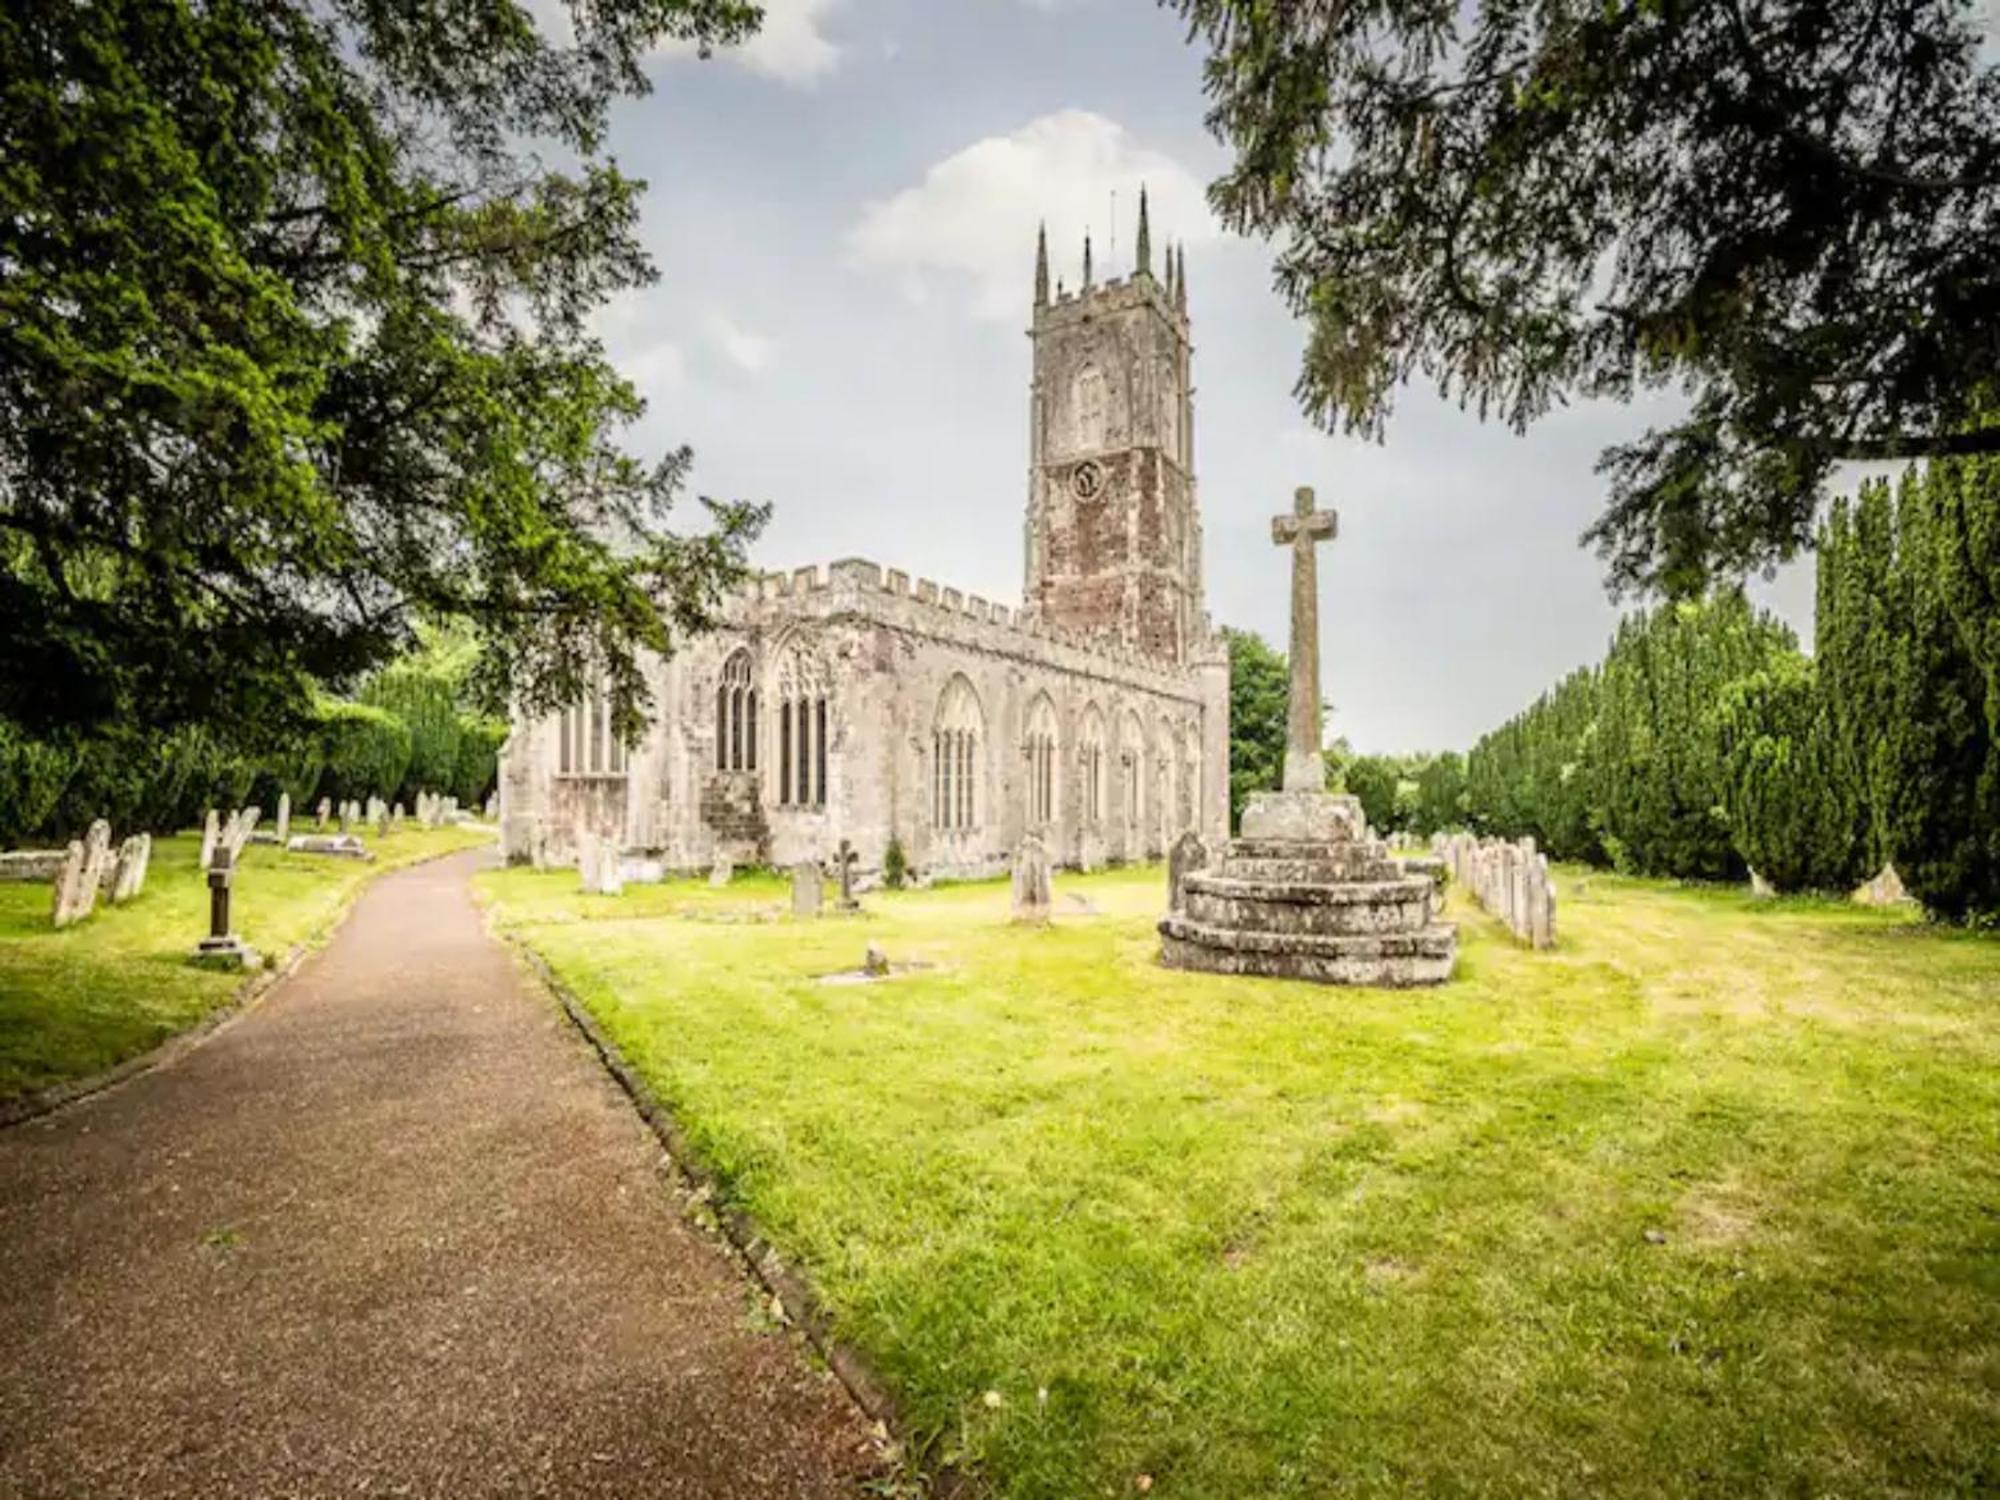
(1189, 854)
(211, 830)
(69, 886)
(722, 872)
(97, 858)
(246, 825)
(808, 889)
(323, 812)
(1031, 881)
(1886, 889)
(129, 879)
(226, 840)
(1761, 888)
(284, 825)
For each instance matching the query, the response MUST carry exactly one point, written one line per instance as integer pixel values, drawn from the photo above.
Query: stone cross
(1303, 530)
(845, 859)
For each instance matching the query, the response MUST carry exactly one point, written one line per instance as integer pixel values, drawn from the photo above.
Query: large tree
(1783, 211)
(296, 351)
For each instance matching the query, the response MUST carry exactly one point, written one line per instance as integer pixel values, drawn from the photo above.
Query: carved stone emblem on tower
(1086, 479)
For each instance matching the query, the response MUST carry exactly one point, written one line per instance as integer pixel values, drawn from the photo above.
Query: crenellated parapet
(895, 597)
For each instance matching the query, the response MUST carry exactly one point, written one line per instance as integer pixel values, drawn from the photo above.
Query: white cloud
(791, 46)
(749, 352)
(971, 221)
(655, 369)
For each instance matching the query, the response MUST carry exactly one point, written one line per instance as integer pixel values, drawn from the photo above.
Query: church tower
(1113, 536)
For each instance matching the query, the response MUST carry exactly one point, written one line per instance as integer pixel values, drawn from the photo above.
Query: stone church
(853, 702)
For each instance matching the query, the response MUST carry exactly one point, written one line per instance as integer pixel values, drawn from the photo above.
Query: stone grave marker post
(846, 858)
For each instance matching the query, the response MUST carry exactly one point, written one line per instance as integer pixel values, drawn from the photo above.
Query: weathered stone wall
(886, 650)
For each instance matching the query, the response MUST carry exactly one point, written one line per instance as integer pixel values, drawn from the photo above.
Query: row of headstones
(90, 867)
(1511, 880)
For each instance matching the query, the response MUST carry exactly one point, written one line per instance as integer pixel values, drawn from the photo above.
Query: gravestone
(222, 948)
(344, 844)
(30, 866)
(245, 827)
(129, 879)
(599, 863)
(97, 859)
(321, 814)
(1189, 854)
(283, 827)
(874, 962)
(808, 889)
(396, 816)
(492, 807)
(211, 830)
(845, 860)
(1031, 880)
(69, 886)
(721, 873)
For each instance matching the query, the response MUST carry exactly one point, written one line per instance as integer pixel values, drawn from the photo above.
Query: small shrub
(895, 865)
(478, 766)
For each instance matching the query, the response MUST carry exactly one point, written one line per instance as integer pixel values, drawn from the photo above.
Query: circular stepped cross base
(1389, 960)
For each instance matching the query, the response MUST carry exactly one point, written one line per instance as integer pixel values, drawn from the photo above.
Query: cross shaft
(1303, 530)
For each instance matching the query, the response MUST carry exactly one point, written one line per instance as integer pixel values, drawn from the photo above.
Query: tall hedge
(425, 698)
(1535, 776)
(367, 751)
(1795, 809)
(1903, 628)
(1655, 744)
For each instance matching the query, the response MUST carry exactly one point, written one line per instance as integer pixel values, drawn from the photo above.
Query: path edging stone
(781, 1280)
(46, 1101)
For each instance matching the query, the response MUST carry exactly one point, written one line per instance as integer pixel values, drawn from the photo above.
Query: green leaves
(1782, 210)
(294, 356)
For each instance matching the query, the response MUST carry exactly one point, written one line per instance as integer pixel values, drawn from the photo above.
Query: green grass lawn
(76, 1002)
(1707, 1201)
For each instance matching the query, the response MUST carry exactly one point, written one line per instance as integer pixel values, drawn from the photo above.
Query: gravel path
(392, 1232)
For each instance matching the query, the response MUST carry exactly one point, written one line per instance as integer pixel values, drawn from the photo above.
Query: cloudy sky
(843, 213)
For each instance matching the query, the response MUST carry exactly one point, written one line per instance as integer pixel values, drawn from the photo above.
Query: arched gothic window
(956, 768)
(586, 744)
(1040, 748)
(1090, 765)
(802, 726)
(1132, 766)
(736, 715)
